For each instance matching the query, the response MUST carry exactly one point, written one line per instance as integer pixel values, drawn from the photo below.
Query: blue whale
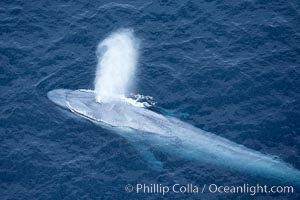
(147, 130)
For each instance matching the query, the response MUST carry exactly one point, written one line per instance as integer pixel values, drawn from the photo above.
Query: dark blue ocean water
(227, 67)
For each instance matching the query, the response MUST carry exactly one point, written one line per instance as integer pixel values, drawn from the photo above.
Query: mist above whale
(117, 59)
(109, 106)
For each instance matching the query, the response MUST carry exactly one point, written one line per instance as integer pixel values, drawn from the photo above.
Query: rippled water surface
(228, 67)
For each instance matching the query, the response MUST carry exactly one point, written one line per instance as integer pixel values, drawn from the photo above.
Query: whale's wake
(110, 106)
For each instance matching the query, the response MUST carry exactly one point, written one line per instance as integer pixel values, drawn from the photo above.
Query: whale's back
(117, 112)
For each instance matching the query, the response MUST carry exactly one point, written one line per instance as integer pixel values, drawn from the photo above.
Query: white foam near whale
(148, 130)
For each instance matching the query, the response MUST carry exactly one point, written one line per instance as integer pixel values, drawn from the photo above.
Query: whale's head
(59, 97)
(63, 97)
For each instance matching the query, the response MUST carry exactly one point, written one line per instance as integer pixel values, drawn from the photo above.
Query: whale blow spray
(117, 60)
